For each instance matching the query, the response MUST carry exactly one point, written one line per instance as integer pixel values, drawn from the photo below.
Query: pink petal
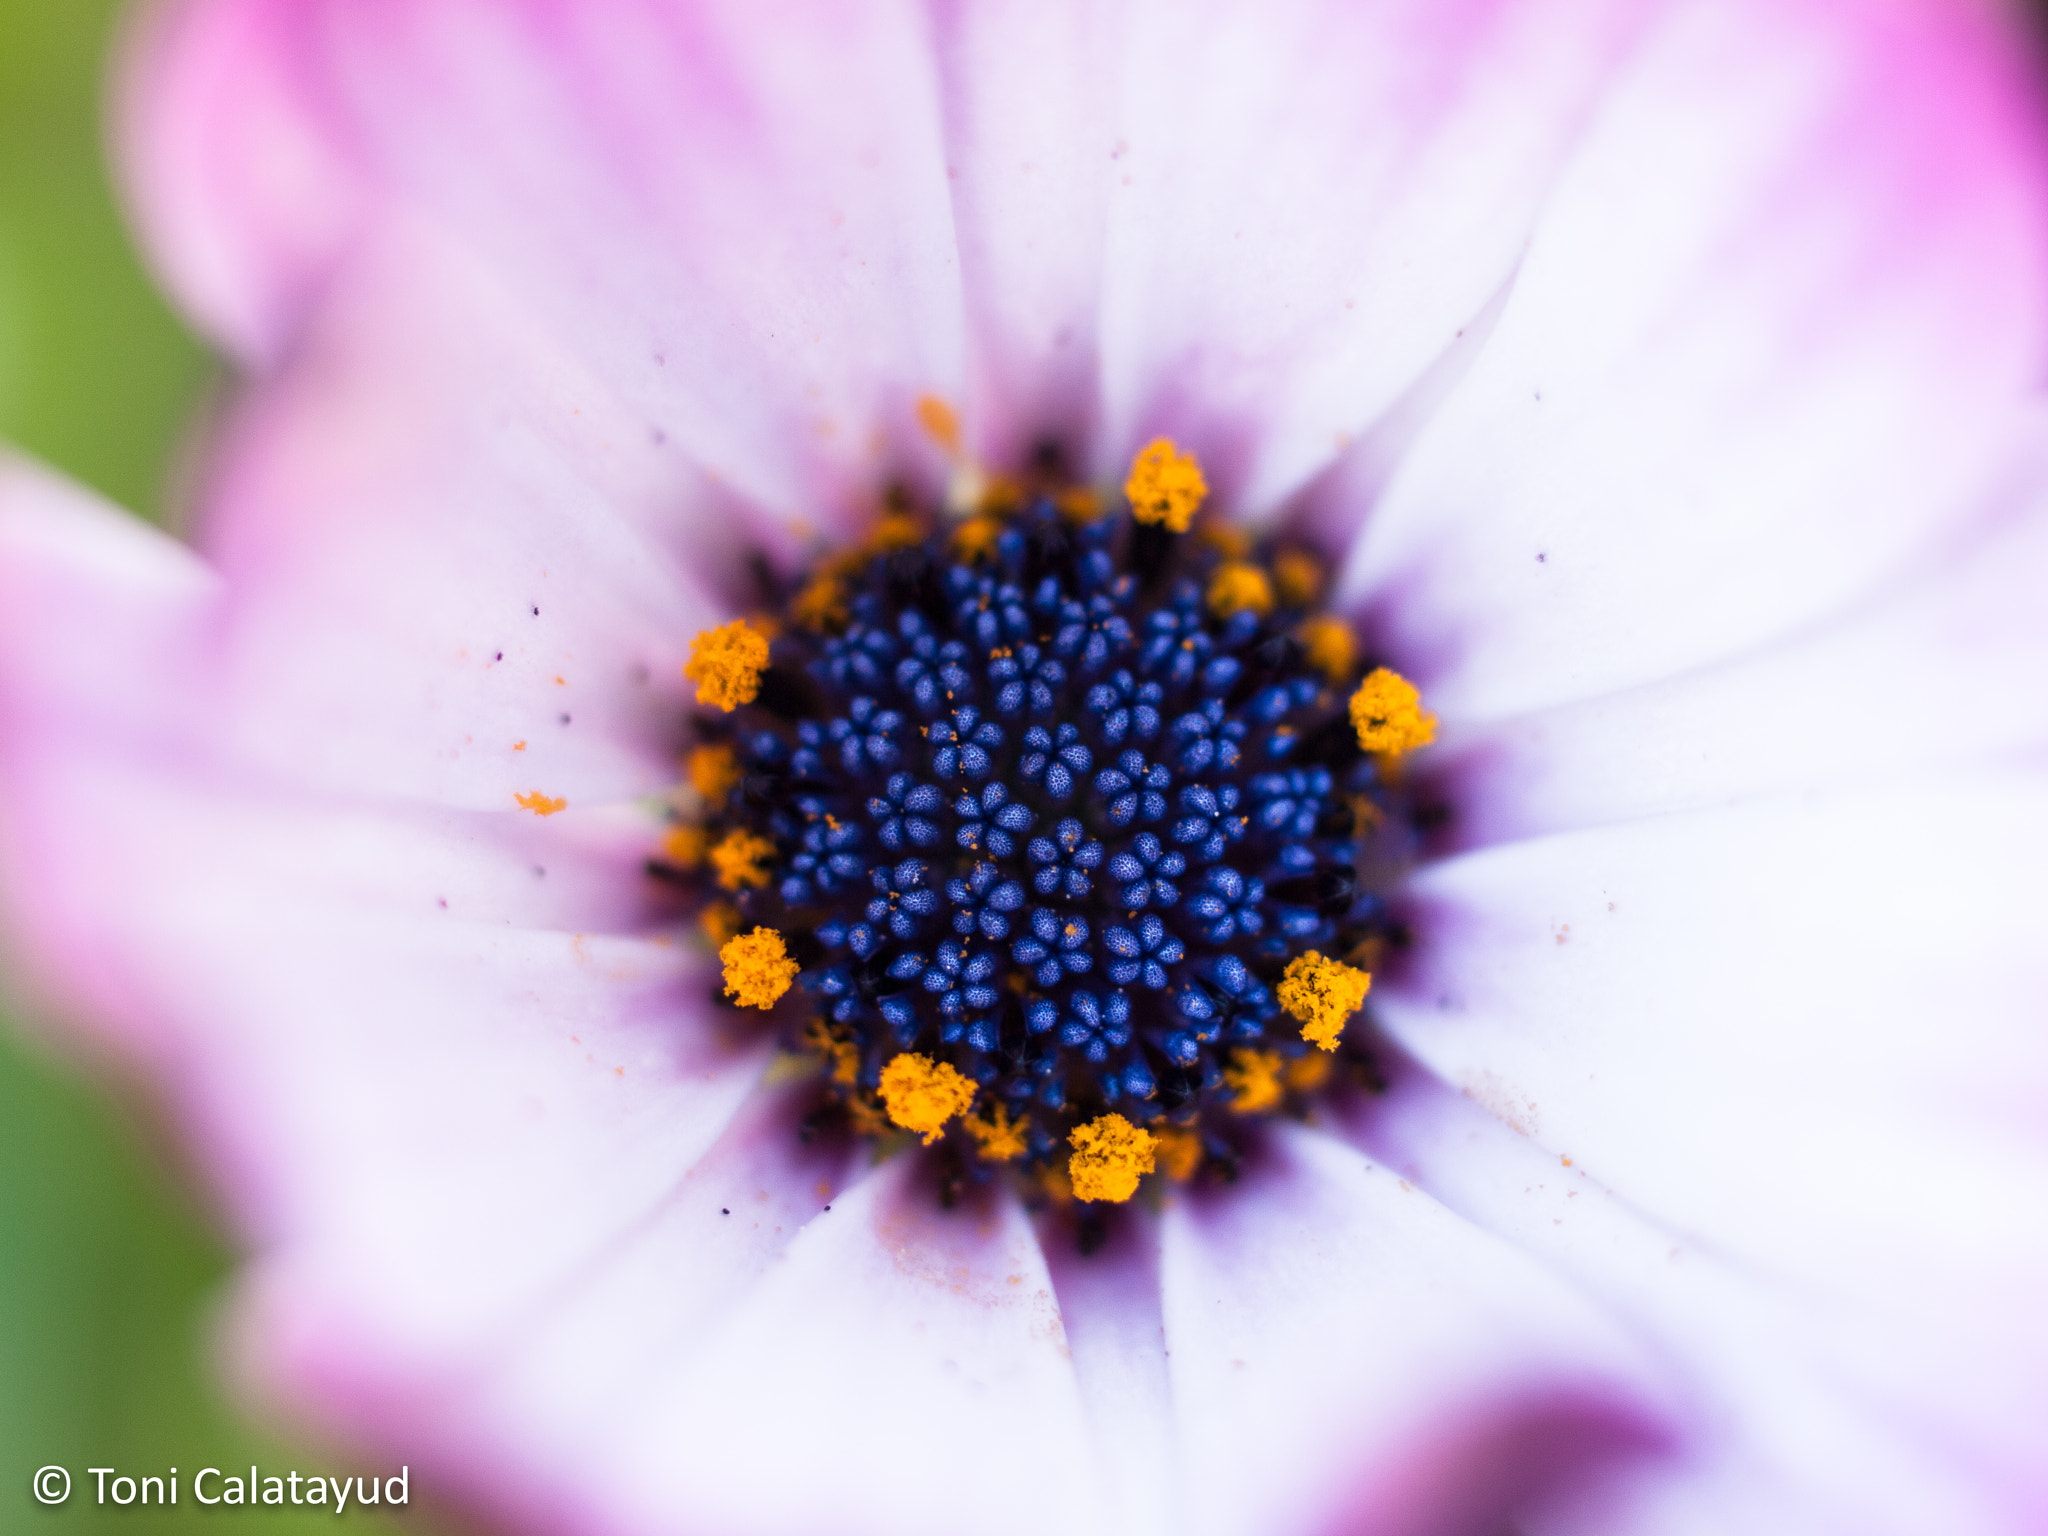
(886, 1367)
(1805, 1410)
(1769, 341)
(1937, 671)
(1804, 1030)
(1310, 200)
(1029, 100)
(461, 568)
(737, 218)
(1340, 1345)
(401, 1039)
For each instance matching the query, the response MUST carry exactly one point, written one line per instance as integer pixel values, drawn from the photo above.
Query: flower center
(1052, 822)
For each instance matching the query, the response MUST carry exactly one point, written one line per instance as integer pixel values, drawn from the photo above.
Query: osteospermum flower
(1617, 419)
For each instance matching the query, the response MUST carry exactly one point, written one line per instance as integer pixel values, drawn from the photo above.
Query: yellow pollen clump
(737, 858)
(999, 1138)
(714, 772)
(719, 922)
(1254, 1076)
(821, 605)
(1389, 716)
(683, 846)
(976, 538)
(1329, 645)
(1237, 586)
(1180, 1153)
(922, 1095)
(541, 805)
(1298, 576)
(758, 969)
(1322, 994)
(1110, 1156)
(1166, 485)
(726, 664)
(836, 1046)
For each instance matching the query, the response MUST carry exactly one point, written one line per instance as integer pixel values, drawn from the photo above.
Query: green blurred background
(108, 1271)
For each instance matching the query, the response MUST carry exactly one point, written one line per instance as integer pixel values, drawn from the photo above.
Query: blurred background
(109, 1271)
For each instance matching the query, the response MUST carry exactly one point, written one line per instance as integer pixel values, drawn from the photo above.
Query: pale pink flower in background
(1666, 377)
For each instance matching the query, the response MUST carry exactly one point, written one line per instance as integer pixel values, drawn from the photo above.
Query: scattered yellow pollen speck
(1322, 994)
(518, 746)
(719, 921)
(1388, 713)
(1255, 1078)
(559, 683)
(1079, 504)
(1166, 485)
(738, 857)
(939, 419)
(541, 805)
(758, 969)
(726, 664)
(1298, 576)
(836, 1046)
(922, 1094)
(1110, 1156)
(998, 1136)
(822, 603)
(1330, 646)
(714, 771)
(1305, 1074)
(976, 538)
(1180, 1153)
(1236, 586)
(894, 530)
(683, 846)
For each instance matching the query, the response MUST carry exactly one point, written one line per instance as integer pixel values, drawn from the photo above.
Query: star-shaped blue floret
(991, 821)
(1025, 676)
(903, 813)
(983, 902)
(1125, 708)
(1141, 954)
(1147, 870)
(1208, 822)
(1056, 946)
(1228, 905)
(961, 746)
(1095, 1026)
(1057, 762)
(1134, 789)
(1065, 861)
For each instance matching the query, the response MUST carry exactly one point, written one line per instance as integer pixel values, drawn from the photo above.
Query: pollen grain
(1110, 1156)
(1165, 485)
(738, 857)
(726, 664)
(1322, 994)
(921, 1094)
(1387, 711)
(758, 969)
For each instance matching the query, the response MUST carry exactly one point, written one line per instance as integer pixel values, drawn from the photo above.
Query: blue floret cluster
(1046, 816)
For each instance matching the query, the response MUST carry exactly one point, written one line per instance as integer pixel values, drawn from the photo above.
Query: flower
(1660, 381)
